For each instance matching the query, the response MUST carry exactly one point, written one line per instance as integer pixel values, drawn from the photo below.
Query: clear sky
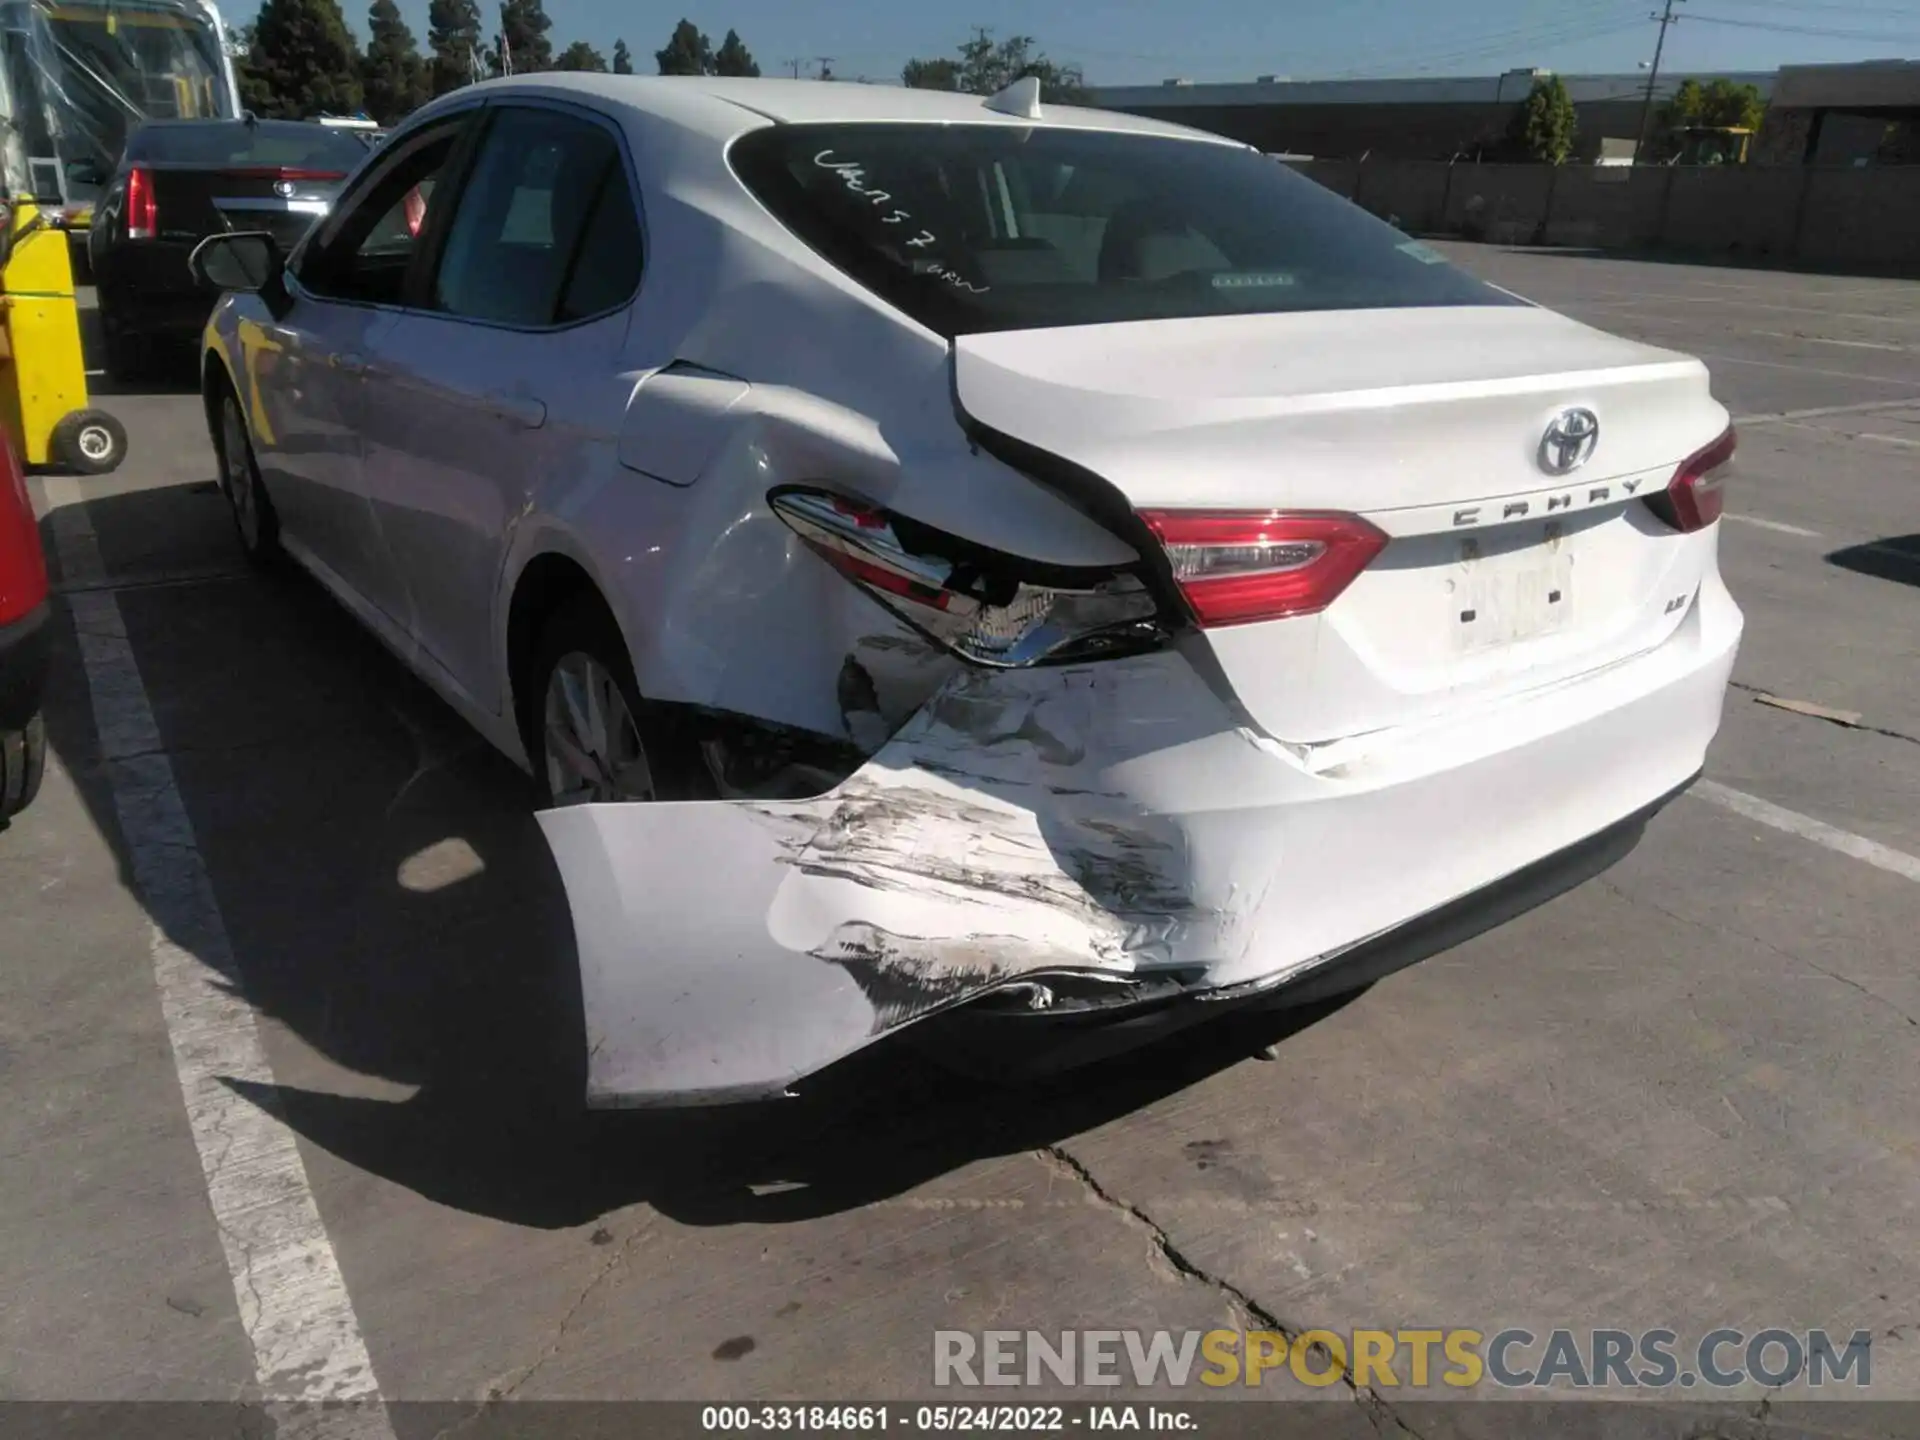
(1145, 41)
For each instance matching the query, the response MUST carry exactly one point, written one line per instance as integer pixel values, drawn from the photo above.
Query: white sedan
(942, 554)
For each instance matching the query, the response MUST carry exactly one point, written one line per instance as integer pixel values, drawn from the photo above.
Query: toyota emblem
(283, 188)
(1569, 441)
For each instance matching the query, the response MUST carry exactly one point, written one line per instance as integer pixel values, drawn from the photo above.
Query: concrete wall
(1854, 216)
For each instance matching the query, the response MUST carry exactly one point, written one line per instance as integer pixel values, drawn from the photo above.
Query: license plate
(1510, 598)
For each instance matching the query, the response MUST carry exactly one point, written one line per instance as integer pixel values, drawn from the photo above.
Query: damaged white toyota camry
(938, 552)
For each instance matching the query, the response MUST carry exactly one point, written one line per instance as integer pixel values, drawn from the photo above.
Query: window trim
(460, 119)
(430, 269)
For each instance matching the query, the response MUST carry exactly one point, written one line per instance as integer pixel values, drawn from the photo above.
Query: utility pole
(825, 62)
(794, 66)
(1665, 18)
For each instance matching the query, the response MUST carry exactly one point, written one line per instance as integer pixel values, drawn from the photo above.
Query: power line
(1824, 32)
(1843, 7)
(1559, 32)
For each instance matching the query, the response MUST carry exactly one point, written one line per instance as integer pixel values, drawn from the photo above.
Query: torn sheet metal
(729, 948)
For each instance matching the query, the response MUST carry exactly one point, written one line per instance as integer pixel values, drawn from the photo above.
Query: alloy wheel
(593, 752)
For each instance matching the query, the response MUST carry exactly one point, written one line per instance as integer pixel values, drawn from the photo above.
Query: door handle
(347, 363)
(521, 410)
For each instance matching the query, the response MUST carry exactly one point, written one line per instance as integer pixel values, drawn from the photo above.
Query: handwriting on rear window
(853, 175)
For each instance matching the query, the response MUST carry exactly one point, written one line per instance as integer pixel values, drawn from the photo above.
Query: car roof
(726, 106)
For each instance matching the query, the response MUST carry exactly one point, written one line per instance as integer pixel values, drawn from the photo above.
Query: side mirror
(249, 262)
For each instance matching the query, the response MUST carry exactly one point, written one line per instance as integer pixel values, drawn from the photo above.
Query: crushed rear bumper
(1097, 838)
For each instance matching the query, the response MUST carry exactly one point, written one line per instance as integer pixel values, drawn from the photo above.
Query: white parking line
(1786, 417)
(307, 1345)
(1845, 842)
(1725, 359)
(1780, 525)
(1827, 340)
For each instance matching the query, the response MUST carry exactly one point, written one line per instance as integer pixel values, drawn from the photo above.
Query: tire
(23, 760)
(254, 519)
(89, 442)
(643, 755)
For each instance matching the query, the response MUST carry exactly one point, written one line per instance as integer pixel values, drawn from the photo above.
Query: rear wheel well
(550, 582)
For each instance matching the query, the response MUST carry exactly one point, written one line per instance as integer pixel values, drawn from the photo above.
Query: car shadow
(402, 930)
(174, 370)
(1896, 558)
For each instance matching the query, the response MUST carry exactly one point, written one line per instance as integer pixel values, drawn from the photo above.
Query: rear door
(503, 373)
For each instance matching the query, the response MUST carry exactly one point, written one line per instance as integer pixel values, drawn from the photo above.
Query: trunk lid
(1499, 575)
(192, 201)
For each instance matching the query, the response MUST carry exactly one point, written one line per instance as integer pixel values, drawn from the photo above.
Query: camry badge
(1569, 441)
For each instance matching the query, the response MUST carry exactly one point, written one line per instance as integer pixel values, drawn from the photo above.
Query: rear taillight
(1238, 566)
(23, 569)
(1696, 495)
(984, 606)
(143, 210)
(416, 211)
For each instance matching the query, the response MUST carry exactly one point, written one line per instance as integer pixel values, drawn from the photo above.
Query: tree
(393, 77)
(1718, 104)
(931, 75)
(581, 56)
(985, 67)
(622, 58)
(1544, 126)
(523, 37)
(733, 58)
(302, 63)
(453, 39)
(688, 53)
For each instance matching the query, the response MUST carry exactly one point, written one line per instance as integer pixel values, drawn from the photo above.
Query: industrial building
(1821, 114)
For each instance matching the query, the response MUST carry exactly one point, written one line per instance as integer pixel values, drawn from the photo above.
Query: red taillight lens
(1236, 567)
(1697, 493)
(416, 212)
(23, 569)
(143, 211)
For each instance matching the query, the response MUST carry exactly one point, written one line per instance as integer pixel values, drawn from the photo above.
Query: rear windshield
(971, 228)
(281, 144)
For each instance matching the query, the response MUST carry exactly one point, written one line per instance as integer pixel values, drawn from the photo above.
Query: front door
(347, 284)
(505, 375)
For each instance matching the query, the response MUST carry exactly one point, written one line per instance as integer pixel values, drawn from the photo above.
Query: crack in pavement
(1380, 1414)
(1613, 888)
(496, 1394)
(1862, 726)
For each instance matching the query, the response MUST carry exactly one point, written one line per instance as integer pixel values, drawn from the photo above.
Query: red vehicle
(23, 640)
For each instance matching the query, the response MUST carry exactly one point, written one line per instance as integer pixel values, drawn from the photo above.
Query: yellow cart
(43, 374)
